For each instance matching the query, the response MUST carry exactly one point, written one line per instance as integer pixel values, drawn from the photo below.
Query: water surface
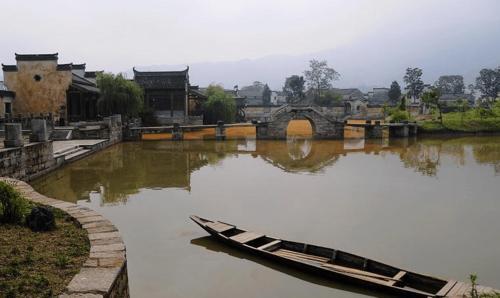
(428, 205)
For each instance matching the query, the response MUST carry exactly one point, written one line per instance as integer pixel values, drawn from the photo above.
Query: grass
(474, 120)
(40, 264)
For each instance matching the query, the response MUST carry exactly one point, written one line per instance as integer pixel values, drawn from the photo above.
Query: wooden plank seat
(246, 237)
(444, 290)
(219, 227)
(269, 245)
(396, 278)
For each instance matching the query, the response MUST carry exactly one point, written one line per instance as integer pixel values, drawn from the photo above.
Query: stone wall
(34, 96)
(104, 274)
(27, 162)
(323, 127)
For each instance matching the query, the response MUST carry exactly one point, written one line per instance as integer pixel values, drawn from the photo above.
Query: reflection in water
(407, 202)
(122, 170)
(211, 244)
(298, 148)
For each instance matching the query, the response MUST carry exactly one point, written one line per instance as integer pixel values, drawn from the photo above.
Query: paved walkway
(63, 145)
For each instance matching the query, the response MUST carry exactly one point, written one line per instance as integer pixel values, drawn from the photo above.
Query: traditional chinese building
(6, 99)
(171, 98)
(43, 86)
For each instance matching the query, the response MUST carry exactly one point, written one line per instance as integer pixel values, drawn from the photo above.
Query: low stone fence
(27, 162)
(104, 274)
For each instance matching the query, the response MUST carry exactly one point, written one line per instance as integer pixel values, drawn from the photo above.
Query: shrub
(12, 205)
(399, 115)
(41, 219)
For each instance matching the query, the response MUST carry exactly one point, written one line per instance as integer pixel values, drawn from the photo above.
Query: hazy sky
(116, 35)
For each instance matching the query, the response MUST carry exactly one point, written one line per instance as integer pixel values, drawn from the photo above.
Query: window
(8, 108)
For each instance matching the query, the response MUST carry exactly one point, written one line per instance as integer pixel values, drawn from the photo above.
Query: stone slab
(93, 280)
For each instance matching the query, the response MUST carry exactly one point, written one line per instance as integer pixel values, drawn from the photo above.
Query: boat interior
(337, 261)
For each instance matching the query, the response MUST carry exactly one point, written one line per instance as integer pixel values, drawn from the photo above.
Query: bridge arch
(323, 127)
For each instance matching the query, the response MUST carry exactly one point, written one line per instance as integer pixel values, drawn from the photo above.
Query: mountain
(370, 62)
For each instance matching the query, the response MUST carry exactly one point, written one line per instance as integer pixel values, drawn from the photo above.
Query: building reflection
(124, 169)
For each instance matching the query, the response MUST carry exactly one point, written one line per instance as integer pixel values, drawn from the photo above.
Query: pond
(427, 205)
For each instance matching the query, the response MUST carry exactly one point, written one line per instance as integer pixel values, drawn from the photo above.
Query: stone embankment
(104, 274)
(29, 161)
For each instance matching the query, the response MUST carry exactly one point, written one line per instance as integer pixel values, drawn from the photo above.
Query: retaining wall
(104, 274)
(27, 162)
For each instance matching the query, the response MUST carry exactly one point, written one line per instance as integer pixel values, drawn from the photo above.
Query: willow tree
(220, 106)
(119, 96)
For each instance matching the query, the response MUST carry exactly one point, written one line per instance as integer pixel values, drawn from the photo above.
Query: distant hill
(365, 64)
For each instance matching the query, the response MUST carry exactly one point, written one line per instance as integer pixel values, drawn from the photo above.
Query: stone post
(177, 132)
(374, 131)
(400, 131)
(261, 131)
(39, 132)
(13, 135)
(412, 129)
(220, 131)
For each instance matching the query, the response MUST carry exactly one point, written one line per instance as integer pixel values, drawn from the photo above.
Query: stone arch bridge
(323, 126)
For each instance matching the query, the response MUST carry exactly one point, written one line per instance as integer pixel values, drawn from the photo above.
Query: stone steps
(76, 154)
(67, 150)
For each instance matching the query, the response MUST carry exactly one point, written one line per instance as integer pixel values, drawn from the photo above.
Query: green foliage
(328, 99)
(398, 115)
(294, 88)
(479, 119)
(450, 84)
(219, 106)
(394, 92)
(13, 206)
(62, 261)
(319, 76)
(488, 82)
(431, 98)
(414, 83)
(119, 96)
(474, 293)
(402, 104)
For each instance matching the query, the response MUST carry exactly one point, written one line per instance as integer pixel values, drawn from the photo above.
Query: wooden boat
(337, 264)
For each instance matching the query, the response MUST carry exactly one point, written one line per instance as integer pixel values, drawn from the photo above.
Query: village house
(353, 99)
(378, 96)
(170, 96)
(42, 86)
(278, 98)
(6, 98)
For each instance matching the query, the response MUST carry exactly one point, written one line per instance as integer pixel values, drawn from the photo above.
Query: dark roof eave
(5, 93)
(68, 66)
(160, 73)
(86, 88)
(36, 57)
(79, 66)
(9, 67)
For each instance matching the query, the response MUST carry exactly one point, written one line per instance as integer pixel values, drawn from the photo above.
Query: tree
(414, 83)
(328, 99)
(431, 98)
(463, 105)
(450, 84)
(266, 95)
(320, 76)
(488, 82)
(394, 93)
(119, 96)
(402, 103)
(294, 88)
(219, 106)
